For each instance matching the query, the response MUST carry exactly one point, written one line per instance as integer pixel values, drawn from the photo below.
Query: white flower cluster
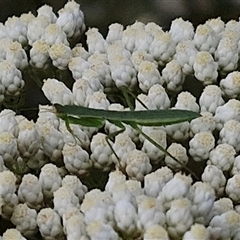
(51, 171)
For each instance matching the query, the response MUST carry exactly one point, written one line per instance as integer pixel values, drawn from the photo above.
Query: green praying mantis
(90, 117)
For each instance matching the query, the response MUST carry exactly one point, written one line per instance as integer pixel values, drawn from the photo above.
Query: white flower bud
(229, 111)
(227, 223)
(180, 153)
(162, 47)
(231, 85)
(178, 131)
(158, 135)
(13, 234)
(125, 215)
(16, 29)
(216, 24)
(115, 31)
(101, 152)
(185, 55)
(56, 92)
(236, 166)
(99, 64)
(11, 78)
(206, 39)
(25, 220)
(146, 101)
(129, 36)
(181, 30)
(150, 212)
(158, 97)
(30, 191)
(205, 69)
(122, 146)
(156, 232)
(202, 197)
(96, 230)
(173, 76)
(210, 99)
(232, 188)
(8, 122)
(54, 35)
(134, 187)
(78, 188)
(7, 184)
(63, 199)
(142, 40)
(95, 41)
(36, 28)
(155, 181)
(47, 11)
(200, 146)
(52, 141)
(77, 65)
(49, 224)
(28, 138)
(138, 165)
(50, 179)
(76, 159)
(98, 100)
(227, 54)
(197, 231)
(179, 217)
(215, 178)
(186, 101)
(222, 156)
(60, 55)
(139, 56)
(205, 123)
(115, 178)
(39, 56)
(79, 51)
(148, 75)
(16, 55)
(175, 188)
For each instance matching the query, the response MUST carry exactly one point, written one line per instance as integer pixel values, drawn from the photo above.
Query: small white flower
(230, 133)
(205, 123)
(206, 39)
(179, 217)
(139, 56)
(155, 181)
(156, 232)
(95, 41)
(138, 165)
(200, 146)
(202, 197)
(236, 166)
(63, 199)
(60, 55)
(231, 85)
(181, 30)
(210, 99)
(148, 75)
(49, 223)
(56, 92)
(186, 101)
(215, 177)
(47, 11)
(12, 233)
(178, 131)
(114, 178)
(76, 159)
(115, 31)
(180, 153)
(227, 54)
(232, 188)
(222, 156)
(77, 65)
(79, 51)
(30, 191)
(185, 55)
(25, 220)
(39, 56)
(197, 231)
(173, 76)
(162, 47)
(229, 111)
(50, 179)
(217, 24)
(98, 100)
(205, 69)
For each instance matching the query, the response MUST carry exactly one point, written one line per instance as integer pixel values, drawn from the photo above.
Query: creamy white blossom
(236, 166)
(13, 234)
(187, 101)
(197, 231)
(232, 188)
(156, 232)
(114, 32)
(77, 65)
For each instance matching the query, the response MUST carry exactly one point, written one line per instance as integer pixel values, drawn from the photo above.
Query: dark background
(100, 13)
